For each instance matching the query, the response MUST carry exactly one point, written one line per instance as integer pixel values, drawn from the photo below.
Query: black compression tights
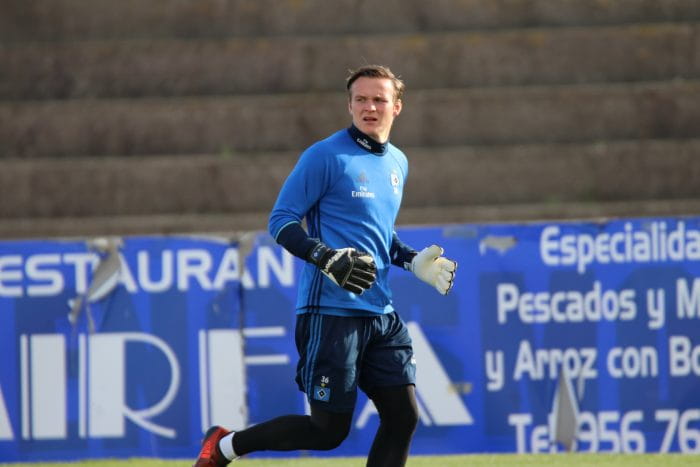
(321, 431)
(398, 415)
(324, 430)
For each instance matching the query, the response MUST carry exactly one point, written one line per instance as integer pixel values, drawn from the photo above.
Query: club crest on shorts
(322, 394)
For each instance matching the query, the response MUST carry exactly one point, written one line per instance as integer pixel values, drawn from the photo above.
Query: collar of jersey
(367, 143)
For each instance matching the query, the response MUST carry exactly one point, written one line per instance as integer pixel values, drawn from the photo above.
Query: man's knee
(330, 429)
(331, 437)
(398, 410)
(405, 420)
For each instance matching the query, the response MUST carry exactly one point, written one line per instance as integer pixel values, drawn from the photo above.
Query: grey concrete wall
(264, 65)
(186, 115)
(448, 176)
(294, 121)
(68, 20)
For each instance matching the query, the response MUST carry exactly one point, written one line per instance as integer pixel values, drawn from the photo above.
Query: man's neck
(366, 142)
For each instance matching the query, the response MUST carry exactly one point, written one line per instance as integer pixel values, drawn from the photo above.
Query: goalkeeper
(348, 188)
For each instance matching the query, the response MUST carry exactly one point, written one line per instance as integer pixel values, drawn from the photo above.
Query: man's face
(373, 107)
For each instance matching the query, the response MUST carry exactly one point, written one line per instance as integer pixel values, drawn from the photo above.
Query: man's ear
(398, 105)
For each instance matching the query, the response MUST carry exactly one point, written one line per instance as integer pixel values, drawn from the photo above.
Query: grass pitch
(566, 460)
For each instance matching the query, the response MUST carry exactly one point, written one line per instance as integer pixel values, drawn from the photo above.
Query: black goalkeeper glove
(350, 269)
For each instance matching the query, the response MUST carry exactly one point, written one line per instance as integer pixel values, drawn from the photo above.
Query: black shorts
(337, 354)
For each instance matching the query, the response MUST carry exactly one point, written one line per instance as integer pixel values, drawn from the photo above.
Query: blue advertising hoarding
(134, 347)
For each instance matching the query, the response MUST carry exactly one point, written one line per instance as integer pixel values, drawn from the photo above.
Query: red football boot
(210, 455)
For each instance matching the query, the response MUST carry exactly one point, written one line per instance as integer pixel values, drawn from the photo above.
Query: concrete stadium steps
(545, 114)
(141, 185)
(178, 116)
(40, 20)
(241, 223)
(533, 212)
(554, 173)
(536, 174)
(224, 224)
(137, 68)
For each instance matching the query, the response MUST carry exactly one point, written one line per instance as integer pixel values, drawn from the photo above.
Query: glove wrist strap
(319, 255)
(408, 261)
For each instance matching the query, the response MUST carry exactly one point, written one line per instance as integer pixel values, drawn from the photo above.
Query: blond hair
(376, 71)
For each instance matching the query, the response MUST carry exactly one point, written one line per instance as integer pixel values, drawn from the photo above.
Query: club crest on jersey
(395, 182)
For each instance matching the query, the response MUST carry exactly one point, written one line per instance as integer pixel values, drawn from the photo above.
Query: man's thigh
(388, 359)
(329, 349)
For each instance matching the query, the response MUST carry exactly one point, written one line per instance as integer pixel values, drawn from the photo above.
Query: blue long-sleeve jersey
(350, 197)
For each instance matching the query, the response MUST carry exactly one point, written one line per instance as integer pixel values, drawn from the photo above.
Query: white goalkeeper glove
(350, 269)
(431, 267)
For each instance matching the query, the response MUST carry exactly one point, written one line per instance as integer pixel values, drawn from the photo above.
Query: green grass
(567, 460)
